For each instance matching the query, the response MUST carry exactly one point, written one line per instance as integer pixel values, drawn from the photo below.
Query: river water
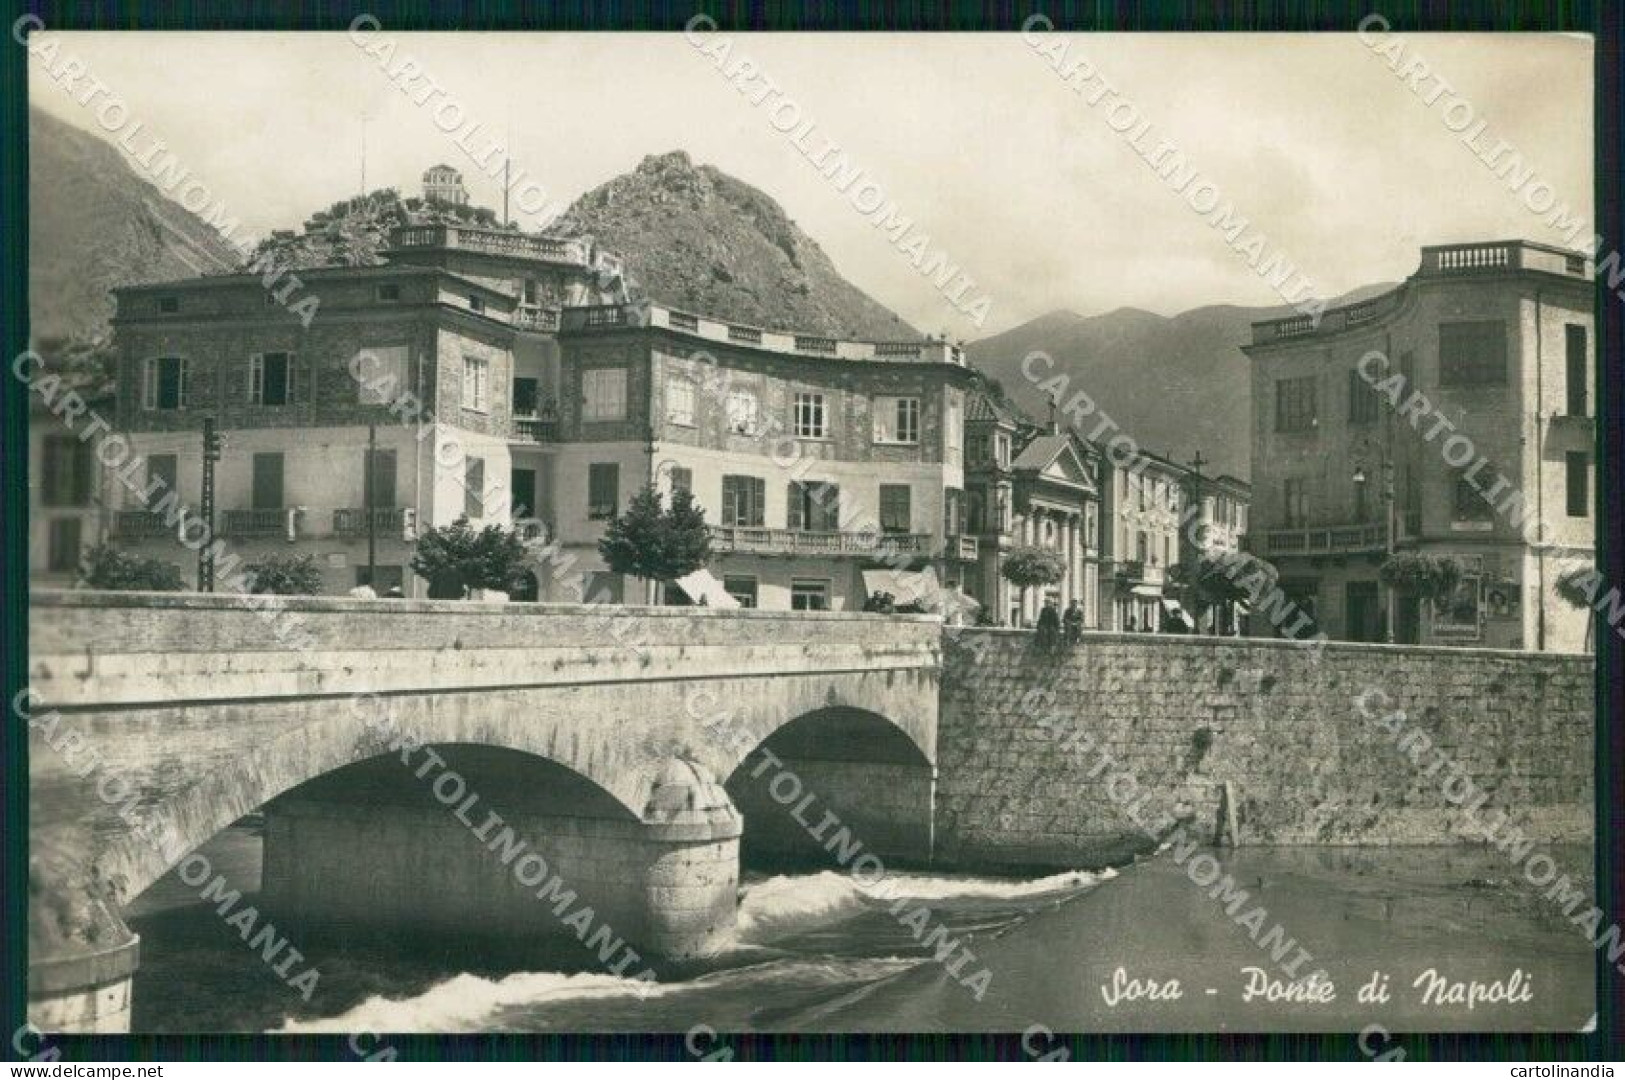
(814, 952)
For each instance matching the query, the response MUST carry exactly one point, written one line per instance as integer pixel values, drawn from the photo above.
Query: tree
(1025, 567)
(106, 567)
(1577, 586)
(1222, 579)
(454, 559)
(1426, 576)
(653, 543)
(286, 575)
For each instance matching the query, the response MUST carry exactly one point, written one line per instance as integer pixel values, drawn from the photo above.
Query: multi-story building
(66, 494)
(1141, 542)
(1216, 509)
(1451, 416)
(461, 319)
(828, 469)
(1028, 485)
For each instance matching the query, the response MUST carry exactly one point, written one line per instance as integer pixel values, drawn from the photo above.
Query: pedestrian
(1073, 621)
(1049, 626)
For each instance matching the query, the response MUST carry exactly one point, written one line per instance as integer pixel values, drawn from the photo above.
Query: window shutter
(291, 366)
(256, 379)
(149, 383)
(793, 515)
(758, 502)
(884, 408)
(181, 387)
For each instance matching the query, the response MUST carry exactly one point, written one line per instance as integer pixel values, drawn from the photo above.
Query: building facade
(1146, 498)
(67, 494)
(1029, 485)
(1449, 416)
(442, 183)
(495, 376)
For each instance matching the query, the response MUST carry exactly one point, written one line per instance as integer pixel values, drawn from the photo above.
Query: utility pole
(366, 499)
(205, 555)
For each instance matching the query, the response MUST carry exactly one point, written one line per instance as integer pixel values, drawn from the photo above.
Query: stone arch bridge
(624, 753)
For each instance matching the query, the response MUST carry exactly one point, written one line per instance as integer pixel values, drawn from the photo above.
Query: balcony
(1139, 572)
(730, 539)
(261, 522)
(352, 521)
(960, 548)
(140, 525)
(535, 429)
(491, 242)
(538, 320)
(1326, 540)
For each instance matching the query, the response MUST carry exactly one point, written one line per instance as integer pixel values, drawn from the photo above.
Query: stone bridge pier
(527, 774)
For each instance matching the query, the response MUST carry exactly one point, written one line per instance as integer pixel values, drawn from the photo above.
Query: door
(1408, 623)
(1361, 615)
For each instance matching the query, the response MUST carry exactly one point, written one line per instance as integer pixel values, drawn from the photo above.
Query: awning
(1172, 607)
(702, 583)
(905, 586)
(1147, 590)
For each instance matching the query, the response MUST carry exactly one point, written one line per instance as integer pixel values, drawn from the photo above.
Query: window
(523, 484)
(813, 507)
(1473, 353)
(162, 476)
(897, 420)
(1468, 503)
(603, 393)
(62, 552)
(168, 305)
(1577, 482)
(1294, 503)
(809, 594)
(389, 294)
(894, 508)
(382, 477)
(270, 379)
(380, 578)
(603, 491)
(1167, 550)
(1138, 489)
(267, 491)
(1142, 547)
(811, 421)
(67, 472)
(1362, 399)
(742, 588)
(474, 487)
(682, 479)
(526, 396)
(476, 383)
(164, 383)
(1001, 450)
(1578, 365)
(476, 303)
(380, 374)
(1295, 404)
(680, 402)
(744, 500)
(744, 412)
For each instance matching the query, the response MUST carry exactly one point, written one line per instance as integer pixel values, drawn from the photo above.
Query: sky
(1332, 157)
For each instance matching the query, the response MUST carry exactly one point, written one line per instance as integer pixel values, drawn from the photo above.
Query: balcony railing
(1327, 540)
(491, 242)
(139, 524)
(1139, 572)
(261, 522)
(352, 521)
(741, 540)
(534, 318)
(535, 429)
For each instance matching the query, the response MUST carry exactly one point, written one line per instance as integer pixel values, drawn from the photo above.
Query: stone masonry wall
(1022, 780)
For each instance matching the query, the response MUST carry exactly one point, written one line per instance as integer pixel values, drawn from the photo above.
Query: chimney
(1054, 425)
